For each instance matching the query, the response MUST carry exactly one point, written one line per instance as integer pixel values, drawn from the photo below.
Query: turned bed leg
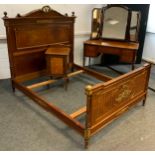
(86, 138)
(66, 80)
(144, 101)
(86, 143)
(13, 87)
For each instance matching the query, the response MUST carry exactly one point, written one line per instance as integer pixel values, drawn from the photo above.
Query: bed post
(148, 77)
(88, 92)
(13, 87)
(144, 101)
(86, 137)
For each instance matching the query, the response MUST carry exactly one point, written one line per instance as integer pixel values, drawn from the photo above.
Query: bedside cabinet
(57, 62)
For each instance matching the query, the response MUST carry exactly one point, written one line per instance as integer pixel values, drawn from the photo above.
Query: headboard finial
(5, 14)
(18, 15)
(73, 14)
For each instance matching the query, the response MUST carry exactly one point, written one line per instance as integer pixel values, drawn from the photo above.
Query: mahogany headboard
(30, 35)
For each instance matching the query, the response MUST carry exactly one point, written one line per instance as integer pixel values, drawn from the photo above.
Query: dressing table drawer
(128, 56)
(109, 50)
(91, 50)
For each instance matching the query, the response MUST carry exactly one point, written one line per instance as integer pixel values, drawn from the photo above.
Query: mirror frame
(137, 27)
(101, 24)
(96, 25)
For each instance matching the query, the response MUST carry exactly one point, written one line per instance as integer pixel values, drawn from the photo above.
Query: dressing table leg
(133, 66)
(13, 88)
(89, 61)
(84, 59)
(66, 80)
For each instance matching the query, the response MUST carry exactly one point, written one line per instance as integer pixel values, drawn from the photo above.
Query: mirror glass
(134, 25)
(115, 21)
(96, 22)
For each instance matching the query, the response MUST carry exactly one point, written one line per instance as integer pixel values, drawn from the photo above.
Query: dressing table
(114, 31)
(125, 50)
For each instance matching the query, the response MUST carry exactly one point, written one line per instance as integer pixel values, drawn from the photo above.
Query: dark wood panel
(41, 35)
(29, 63)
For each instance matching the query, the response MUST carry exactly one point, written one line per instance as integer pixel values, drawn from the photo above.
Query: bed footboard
(106, 101)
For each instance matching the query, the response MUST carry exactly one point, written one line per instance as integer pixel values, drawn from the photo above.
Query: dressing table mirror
(115, 22)
(114, 31)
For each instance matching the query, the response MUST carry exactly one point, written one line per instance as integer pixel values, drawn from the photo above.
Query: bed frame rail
(51, 108)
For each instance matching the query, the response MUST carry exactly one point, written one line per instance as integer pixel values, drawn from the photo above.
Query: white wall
(82, 11)
(151, 23)
(149, 47)
(82, 28)
(4, 61)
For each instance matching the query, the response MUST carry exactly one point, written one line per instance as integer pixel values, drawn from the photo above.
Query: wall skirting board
(151, 60)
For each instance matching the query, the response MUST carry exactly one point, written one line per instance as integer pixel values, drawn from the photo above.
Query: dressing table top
(116, 44)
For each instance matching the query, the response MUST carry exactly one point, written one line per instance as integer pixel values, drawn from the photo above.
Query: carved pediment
(44, 12)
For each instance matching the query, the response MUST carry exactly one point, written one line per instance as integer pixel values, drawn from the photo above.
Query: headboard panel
(49, 33)
(29, 36)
